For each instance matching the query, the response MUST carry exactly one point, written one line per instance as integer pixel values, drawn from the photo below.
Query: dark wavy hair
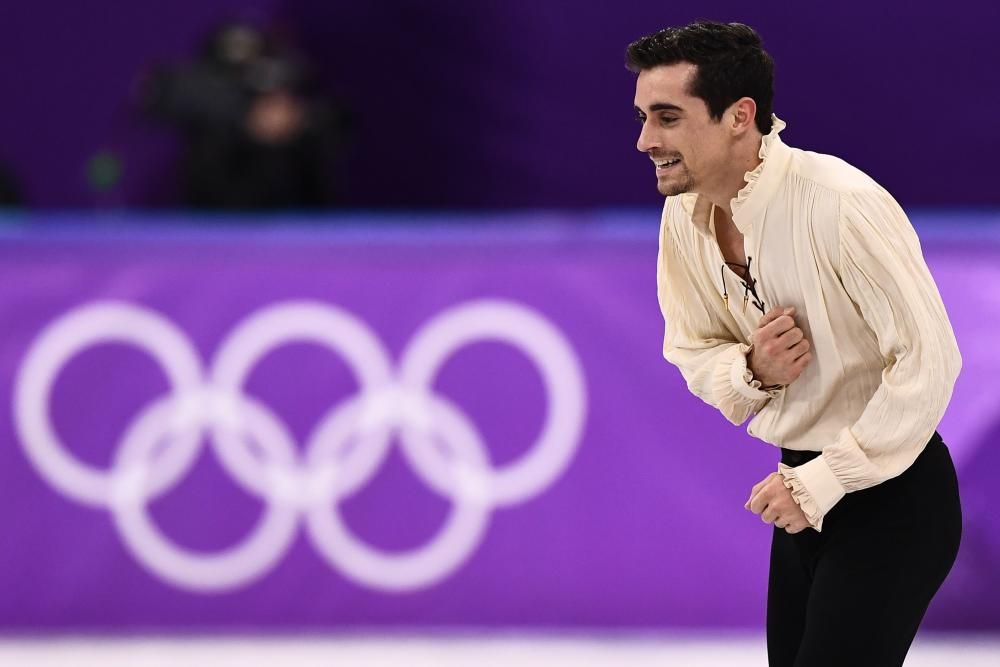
(730, 59)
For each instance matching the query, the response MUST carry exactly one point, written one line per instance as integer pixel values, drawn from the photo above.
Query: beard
(677, 184)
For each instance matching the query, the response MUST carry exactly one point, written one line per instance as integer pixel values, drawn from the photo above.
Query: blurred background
(223, 222)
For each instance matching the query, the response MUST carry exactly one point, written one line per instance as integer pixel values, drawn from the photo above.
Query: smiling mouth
(664, 165)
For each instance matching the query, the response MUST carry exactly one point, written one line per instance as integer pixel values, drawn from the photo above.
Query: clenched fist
(772, 500)
(780, 351)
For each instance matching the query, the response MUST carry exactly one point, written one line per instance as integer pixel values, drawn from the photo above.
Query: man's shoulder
(830, 172)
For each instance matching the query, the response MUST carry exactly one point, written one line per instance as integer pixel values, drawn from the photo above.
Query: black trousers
(854, 594)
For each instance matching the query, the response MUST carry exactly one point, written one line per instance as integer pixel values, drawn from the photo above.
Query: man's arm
(883, 271)
(701, 343)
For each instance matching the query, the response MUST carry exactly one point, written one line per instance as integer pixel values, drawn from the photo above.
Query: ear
(743, 115)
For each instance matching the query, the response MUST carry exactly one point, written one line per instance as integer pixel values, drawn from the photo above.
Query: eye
(667, 120)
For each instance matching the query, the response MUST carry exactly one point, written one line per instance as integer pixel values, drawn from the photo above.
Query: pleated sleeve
(696, 340)
(884, 273)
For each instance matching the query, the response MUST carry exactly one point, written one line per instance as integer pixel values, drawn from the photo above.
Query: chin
(676, 186)
(673, 189)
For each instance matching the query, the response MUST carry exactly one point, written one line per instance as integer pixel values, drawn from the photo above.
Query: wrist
(765, 383)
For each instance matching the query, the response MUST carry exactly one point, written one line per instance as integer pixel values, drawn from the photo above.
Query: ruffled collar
(761, 182)
(743, 204)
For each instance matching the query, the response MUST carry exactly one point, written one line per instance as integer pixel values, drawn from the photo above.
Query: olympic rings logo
(343, 452)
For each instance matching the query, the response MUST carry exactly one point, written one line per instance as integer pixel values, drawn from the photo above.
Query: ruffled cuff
(814, 488)
(742, 380)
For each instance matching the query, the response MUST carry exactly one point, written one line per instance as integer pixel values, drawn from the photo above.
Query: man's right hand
(780, 351)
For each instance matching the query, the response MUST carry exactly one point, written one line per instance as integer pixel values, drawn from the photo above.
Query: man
(795, 295)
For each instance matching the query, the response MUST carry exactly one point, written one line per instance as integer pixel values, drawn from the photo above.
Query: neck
(731, 178)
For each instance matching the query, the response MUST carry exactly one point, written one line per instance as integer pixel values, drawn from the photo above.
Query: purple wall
(638, 524)
(511, 104)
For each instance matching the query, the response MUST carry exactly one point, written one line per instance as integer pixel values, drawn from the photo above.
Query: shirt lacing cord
(749, 286)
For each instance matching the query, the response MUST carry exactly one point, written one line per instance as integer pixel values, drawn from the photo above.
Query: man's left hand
(774, 503)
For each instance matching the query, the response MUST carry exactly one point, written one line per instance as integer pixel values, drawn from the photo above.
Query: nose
(647, 139)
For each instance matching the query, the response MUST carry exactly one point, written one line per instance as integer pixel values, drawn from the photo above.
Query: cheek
(701, 156)
(691, 149)
(692, 157)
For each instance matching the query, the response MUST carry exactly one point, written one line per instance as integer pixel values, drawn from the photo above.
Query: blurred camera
(256, 136)
(237, 65)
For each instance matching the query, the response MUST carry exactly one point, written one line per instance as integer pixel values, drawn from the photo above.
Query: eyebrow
(660, 106)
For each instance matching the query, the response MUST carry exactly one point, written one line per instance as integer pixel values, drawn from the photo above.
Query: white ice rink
(458, 651)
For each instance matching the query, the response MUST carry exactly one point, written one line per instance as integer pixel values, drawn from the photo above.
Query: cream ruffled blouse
(828, 240)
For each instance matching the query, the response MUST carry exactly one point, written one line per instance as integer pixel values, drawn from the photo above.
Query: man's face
(685, 144)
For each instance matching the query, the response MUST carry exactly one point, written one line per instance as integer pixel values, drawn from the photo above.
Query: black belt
(794, 458)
